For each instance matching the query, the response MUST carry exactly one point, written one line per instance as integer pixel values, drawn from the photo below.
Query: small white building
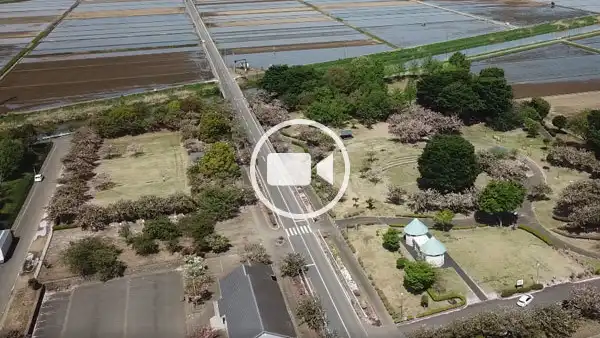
(428, 248)
(416, 231)
(433, 251)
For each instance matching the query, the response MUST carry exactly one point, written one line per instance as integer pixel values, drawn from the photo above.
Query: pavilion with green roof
(427, 247)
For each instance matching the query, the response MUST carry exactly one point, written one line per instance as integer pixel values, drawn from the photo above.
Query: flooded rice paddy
(106, 48)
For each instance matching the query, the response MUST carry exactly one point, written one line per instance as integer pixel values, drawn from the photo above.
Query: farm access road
(29, 218)
(323, 280)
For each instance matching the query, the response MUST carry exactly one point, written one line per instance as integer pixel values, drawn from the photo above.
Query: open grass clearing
(497, 257)
(380, 265)
(160, 170)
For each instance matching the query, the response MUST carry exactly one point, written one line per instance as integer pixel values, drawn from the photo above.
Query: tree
(509, 120)
(541, 106)
(371, 104)
(310, 312)
(431, 85)
(448, 164)
(501, 197)
(218, 243)
(443, 219)
(255, 252)
(213, 127)
(593, 130)
(419, 276)
(197, 279)
(205, 332)
(333, 111)
(12, 153)
(579, 124)
(391, 240)
(495, 94)
(219, 162)
(162, 229)
(539, 192)
(459, 98)
(460, 61)
(370, 201)
(93, 256)
(532, 126)
(395, 194)
(293, 265)
(416, 123)
(288, 83)
(559, 121)
(144, 245)
(585, 300)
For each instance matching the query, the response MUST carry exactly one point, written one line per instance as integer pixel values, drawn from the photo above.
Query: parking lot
(147, 306)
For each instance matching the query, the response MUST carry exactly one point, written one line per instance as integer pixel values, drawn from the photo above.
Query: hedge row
(536, 234)
(513, 291)
(440, 298)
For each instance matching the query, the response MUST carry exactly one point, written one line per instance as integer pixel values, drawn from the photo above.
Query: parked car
(38, 177)
(6, 240)
(524, 300)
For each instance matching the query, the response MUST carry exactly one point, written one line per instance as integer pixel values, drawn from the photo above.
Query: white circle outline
(339, 143)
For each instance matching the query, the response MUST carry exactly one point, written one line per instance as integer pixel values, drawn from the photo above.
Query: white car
(524, 300)
(38, 177)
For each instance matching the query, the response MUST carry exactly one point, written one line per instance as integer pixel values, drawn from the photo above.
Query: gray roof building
(252, 305)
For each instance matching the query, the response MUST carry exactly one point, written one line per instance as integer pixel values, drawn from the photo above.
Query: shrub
(391, 240)
(559, 121)
(537, 286)
(173, 245)
(570, 157)
(424, 300)
(255, 252)
(532, 126)
(401, 263)
(418, 122)
(395, 194)
(539, 192)
(576, 196)
(34, 284)
(144, 245)
(419, 276)
(213, 127)
(94, 256)
(218, 243)
(541, 106)
(162, 229)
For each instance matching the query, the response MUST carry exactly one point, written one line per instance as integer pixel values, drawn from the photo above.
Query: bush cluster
(432, 200)
(576, 196)
(524, 289)
(570, 157)
(416, 123)
(93, 256)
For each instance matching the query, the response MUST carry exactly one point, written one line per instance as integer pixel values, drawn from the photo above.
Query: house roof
(252, 303)
(433, 247)
(416, 228)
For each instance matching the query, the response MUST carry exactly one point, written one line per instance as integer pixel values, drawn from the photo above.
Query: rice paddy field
(555, 69)
(280, 32)
(517, 13)
(106, 48)
(586, 5)
(21, 22)
(406, 23)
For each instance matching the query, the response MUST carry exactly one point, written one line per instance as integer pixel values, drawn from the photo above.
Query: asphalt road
(547, 296)
(30, 216)
(340, 314)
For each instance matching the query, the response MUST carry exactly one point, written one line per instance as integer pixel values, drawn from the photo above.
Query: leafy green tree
(366, 71)
(391, 240)
(495, 95)
(12, 153)
(333, 111)
(579, 124)
(122, 120)
(492, 72)
(310, 312)
(506, 121)
(144, 245)
(559, 121)
(443, 219)
(220, 203)
(419, 276)
(162, 229)
(532, 126)
(430, 86)
(340, 79)
(219, 162)
(401, 263)
(541, 106)
(459, 98)
(460, 61)
(501, 197)
(371, 104)
(593, 130)
(93, 256)
(213, 127)
(288, 83)
(448, 164)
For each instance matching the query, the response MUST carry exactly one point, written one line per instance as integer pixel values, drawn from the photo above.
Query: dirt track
(36, 84)
(554, 88)
(302, 46)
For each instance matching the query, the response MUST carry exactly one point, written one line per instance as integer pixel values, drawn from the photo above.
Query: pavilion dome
(416, 228)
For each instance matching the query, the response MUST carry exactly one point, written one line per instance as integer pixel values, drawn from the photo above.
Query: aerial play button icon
(325, 169)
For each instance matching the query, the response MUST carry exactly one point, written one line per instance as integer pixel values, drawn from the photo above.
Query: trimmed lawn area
(160, 170)
(497, 257)
(380, 266)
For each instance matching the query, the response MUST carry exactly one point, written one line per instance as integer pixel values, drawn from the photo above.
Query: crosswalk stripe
(304, 229)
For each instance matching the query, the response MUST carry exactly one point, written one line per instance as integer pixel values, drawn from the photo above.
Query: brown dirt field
(31, 19)
(571, 104)
(364, 4)
(554, 88)
(267, 22)
(125, 13)
(256, 11)
(38, 84)
(21, 307)
(302, 46)
(8, 35)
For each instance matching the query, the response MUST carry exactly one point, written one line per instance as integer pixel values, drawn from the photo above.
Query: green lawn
(13, 192)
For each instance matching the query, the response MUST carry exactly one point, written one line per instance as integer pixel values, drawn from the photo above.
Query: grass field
(496, 258)
(380, 264)
(160, 170)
